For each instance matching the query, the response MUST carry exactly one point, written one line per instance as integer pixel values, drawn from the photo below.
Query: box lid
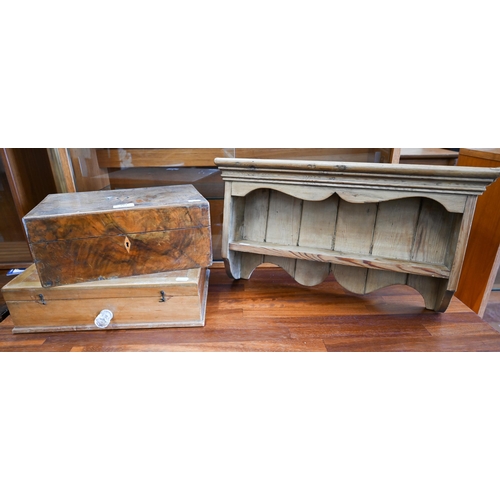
(27, 286)
(120, 211)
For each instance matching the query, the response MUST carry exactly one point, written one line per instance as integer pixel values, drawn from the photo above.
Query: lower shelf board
(333, 257)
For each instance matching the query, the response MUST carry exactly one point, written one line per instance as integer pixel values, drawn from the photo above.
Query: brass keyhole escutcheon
(127, 244)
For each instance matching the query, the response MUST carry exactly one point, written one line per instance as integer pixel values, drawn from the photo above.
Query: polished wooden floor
(492, 311)
(271, 312)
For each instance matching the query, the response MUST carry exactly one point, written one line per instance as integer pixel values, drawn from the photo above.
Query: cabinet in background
(428, 156)
(482, 259)
(25, 179)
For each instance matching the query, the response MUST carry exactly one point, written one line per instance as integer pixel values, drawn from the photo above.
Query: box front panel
(76, 261)
(140, 312)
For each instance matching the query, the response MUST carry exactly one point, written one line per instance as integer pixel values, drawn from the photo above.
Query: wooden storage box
(173, 299)
(95, 235)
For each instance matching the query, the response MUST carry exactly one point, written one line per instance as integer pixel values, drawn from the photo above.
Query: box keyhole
(127, 244)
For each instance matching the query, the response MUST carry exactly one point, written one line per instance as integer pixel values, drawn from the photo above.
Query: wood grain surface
(374, 244)
(78, 261)
(482, 257)
(170, 299)
(25, 179)
(411, 219)
(30, 176)
(428, 156)
(15, 254)
(88, 236)
(201, 157)
(272, 312)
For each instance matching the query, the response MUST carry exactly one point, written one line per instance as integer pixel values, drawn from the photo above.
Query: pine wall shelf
(370, 224)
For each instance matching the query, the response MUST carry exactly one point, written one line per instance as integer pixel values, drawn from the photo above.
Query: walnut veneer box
(160, 300)
(95, 235)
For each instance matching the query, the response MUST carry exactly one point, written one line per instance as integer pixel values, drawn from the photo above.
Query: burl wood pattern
(371, 225)
(80, 237)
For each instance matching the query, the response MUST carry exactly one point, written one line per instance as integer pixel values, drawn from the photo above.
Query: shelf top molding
(407, 178)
